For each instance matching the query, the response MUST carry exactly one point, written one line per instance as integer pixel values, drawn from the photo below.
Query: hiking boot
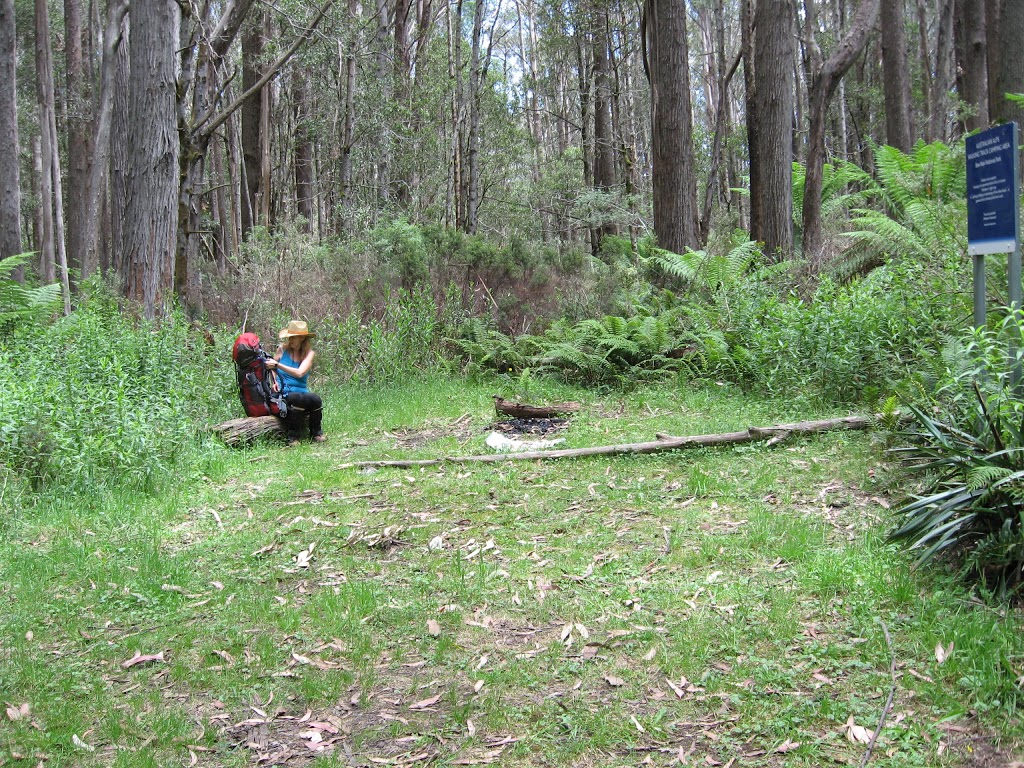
(294, 442)
(321, 438)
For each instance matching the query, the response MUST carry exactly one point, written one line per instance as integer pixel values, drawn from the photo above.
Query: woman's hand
(271, 363)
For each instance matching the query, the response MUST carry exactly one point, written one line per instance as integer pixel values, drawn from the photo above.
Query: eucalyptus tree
(10, 184)
(151, 194)
(969, 30)
(896, 69)
(672, 164)
(774, 55)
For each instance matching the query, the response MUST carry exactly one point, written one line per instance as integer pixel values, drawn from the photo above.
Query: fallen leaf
(477, 686)
(857, 734)
(941, 654)
(433, 628)
(423, 704)
(787, 746)
(636, 723)
(470, 728)
(436, 543)
(613, 681)
(18, 713)
(679, 692)
(139, 658)
(649, 656)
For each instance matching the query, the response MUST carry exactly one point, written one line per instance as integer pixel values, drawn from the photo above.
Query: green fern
(20, 303)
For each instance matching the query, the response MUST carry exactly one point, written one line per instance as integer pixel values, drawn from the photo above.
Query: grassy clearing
(699, 607)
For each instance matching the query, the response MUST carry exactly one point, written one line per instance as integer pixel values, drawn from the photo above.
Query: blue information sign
(992, 191)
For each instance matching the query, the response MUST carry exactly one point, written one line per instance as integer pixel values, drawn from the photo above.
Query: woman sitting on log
(292, 361)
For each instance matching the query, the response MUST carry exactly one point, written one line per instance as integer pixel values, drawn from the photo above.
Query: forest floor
(733, 606)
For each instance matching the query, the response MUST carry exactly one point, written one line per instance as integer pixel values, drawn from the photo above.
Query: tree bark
(151, 204)
(304, 192)
(120, 130)
(672, 163)
(942, 83)
(1011, 63)
(51, 202)
(822, 88)
(774, 55)
(755, 197)
(79, 140)
(251, 110)
(348, 134)
(925, 67)
(99, 165)
(10, 182)
(505, 407)
(896, 75)
(972, 64)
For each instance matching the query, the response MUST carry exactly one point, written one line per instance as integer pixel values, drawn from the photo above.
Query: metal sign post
(993, 217)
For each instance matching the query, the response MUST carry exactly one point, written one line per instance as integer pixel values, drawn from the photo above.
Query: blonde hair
(303, 349)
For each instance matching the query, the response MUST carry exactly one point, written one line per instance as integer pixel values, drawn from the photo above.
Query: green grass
(542, 632)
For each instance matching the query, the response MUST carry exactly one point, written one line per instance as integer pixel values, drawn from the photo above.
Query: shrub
(100, 400)
(968, 448)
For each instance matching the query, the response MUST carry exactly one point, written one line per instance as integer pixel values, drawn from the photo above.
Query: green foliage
(21, 303)
(406, 337)
(921, 211)
(712, 271)
(99, 400)
(401, 246)
(968, 447)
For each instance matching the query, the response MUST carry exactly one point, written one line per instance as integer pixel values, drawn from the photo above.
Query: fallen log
(663, 443)
(505, 407)
(238, 431)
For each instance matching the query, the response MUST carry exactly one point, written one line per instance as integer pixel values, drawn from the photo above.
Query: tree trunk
(252, 70)
(120, 130)
(304, 194)
(942, 83)
(99, 166)
(972, 64)
(672, 164)
(925, 67)
(349, 96)
(993, 14)
(774, 55)
(478, 72)
(151, 206)
(753, 126)
(10, 183)
(822, 88)
(1011, 63)
(79, 142)
(896, 78)
(51, 201)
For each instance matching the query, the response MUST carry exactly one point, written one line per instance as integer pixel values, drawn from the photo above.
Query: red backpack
(257, 386)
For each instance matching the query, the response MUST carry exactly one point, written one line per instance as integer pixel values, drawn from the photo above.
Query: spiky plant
(974, 491)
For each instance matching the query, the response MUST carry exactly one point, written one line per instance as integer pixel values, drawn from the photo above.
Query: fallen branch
(238, 431)
(888, 703)
(663, 443)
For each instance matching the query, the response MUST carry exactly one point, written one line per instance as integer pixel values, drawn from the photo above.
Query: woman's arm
(303, 367)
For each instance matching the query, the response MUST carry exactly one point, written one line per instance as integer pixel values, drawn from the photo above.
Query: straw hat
(295, 328)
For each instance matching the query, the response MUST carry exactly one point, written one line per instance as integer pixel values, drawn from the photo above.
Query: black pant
(300, 406)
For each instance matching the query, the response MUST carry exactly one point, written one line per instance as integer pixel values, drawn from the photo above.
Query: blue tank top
(291, 383)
